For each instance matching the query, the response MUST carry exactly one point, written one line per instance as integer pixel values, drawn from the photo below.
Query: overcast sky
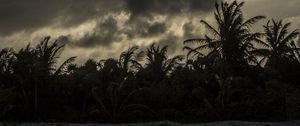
(103, 28)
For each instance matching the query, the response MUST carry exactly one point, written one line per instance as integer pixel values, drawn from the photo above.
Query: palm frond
(192, 51)
(199, 40)
(261, 43)
(213, 30)
(294, 34)
(261, 52)
(64, 65)
(252, 21)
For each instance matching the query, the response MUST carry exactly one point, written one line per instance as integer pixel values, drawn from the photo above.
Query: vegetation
(232, 73)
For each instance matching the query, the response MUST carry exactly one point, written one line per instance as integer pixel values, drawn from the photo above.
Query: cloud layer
(102, 28)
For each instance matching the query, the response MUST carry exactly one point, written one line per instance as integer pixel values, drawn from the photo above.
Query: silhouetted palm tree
(65, 66)
(129, 60)
(219, 84)
(26, 59)
(25, 71)
(7, 59)
(110, 70)
(296, 51)
(231, 40)
(47, 55)
(115, 103)
(158, 62)
(6, 94)
(278, 43)
(34, 66)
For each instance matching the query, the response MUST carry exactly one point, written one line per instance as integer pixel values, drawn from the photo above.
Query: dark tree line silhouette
(232, 73)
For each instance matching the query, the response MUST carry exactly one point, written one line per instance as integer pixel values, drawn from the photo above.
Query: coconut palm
(47, 55)
(120, 69)
(6, 94)
(110, 70)
(34, 66)
(231, 40)
(26, 59)
(129, 60)
(158, 61)
(278, 43)
(7, 59)
(296, 51)
(115, 103)
(64, 67)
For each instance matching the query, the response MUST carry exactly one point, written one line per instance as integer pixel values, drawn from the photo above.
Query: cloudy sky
(103, 28)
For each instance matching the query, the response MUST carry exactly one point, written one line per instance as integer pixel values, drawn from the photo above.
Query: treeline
(232, 73)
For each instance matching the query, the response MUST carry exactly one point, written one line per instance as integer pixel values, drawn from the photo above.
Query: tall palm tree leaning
(278, 43)
(231, 40)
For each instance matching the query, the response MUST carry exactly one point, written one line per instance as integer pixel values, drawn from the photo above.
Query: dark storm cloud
(31, 15)
(140, 21)
(156, 28)
(64, 39)
(144, 29)
(150, 7)
(201, 5)
(104, 33)
(82, 10)
(21, 15)
(27, 15)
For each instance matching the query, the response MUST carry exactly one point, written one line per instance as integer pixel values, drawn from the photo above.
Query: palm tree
(6, 94)
(129, 60)
(26, 58)
(35, 65)
(47, 56)
(157, 66)
(7, 59)
(115, 103)
(231, 40)
(110, 71)
(278, 43)
(159, 63)
(296, 52)
(64, 67)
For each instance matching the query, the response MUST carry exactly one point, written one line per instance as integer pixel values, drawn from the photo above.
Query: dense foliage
(232, 73)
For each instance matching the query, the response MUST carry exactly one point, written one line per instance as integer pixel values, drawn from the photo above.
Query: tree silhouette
(6, 95)
(129, 60)
(232, 38)
(158, 65)
(278, 43)
(115, 104)
(34, 66)
(7, 59)
(48, 55)
(221, 79)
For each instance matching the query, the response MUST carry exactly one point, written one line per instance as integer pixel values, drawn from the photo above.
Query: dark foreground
(165, 123)
(233, 73)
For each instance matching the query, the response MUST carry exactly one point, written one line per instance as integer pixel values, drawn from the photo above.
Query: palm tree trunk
(83, 107)
(35, 101)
